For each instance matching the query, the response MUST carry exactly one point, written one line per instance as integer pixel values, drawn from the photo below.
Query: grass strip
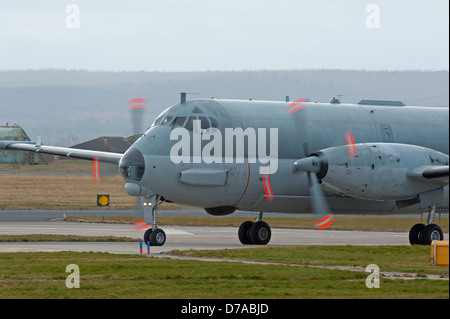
(102, 275)
(412, 259)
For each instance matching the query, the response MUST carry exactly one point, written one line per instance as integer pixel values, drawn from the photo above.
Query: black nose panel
(132, 165)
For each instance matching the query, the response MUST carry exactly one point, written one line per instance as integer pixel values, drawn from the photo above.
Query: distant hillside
(60, 105)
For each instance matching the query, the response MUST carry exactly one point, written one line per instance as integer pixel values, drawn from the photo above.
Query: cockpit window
(190, 123)
(157, 121)
(178, 122)
(166, 120)
(204, 123)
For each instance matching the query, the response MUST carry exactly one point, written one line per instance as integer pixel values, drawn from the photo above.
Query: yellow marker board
(102, 200)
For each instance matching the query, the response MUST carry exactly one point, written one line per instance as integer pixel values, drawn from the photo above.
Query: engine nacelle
(378, 171)
(221, 211)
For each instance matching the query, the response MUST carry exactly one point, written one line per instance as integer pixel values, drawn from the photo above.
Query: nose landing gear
(154, 235)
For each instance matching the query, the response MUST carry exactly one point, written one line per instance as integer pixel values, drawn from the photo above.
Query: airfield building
(106, 144)
(13, 133)
(16, 133)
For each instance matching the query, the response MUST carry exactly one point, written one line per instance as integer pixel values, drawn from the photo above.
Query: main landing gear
(255, 233)
(424, 235)
(154, 235)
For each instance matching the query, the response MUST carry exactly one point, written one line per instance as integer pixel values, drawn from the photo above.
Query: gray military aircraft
(373, 157)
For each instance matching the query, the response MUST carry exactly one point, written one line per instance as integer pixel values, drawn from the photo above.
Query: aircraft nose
(132, 165)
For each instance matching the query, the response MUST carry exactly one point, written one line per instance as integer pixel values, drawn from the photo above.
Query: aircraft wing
(105, 157)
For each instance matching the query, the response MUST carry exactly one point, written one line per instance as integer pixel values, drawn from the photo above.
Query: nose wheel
(156, 237)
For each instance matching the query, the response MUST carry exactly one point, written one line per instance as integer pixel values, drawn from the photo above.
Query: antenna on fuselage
(183, 97)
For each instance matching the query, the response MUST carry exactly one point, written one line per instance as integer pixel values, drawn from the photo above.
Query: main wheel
(260, 233)
(158, 237)
(430, 233)
(414, 234)
(244, 233)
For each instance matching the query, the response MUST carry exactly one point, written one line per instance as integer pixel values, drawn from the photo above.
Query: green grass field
(102, 275)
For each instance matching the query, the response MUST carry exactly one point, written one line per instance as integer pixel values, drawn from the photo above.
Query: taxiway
(180, 237)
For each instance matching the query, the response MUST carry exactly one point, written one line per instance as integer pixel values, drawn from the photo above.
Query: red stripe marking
(348, 145)
(137, 100)
(353, 143)
(98, 169)
(270, 186)
(265, 189)
(140, 227)
(325, 225)
(323, 219)
(139, 221)
(330, 221)
(296, 102)
(136, 107)
(94, 168)
(246, 186)
(296, 109)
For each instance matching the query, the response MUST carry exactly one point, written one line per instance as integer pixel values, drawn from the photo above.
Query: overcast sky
(197, 35)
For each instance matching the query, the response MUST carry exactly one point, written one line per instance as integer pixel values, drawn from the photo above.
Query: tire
(157, 237)
(244, 233)
(260, 233)
(430, 233)
(414, 234)
(147, 234)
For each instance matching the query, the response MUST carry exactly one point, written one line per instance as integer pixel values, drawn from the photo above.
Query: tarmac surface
(180, 237)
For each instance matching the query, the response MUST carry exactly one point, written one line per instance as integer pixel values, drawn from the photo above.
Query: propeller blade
(137, 112)
(313, 165)
(319, 203)
(306, 148)
(139, 218)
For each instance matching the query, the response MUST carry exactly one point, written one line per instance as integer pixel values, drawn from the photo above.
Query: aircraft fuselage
(302, 128)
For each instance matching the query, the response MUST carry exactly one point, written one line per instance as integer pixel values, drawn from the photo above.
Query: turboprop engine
(378, 171)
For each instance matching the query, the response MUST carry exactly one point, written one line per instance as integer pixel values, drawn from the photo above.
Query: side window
(204, 123)
(214, 122)
(178, 122)
(166, 120)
